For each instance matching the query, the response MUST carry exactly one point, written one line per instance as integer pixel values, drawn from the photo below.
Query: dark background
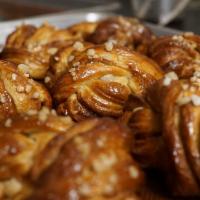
(188, 20)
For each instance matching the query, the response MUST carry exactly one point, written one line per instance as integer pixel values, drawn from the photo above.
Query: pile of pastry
(99, 111)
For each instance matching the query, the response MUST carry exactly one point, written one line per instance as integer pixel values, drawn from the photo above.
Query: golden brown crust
(181, 132)
(19, 94)
(95, 70)
(179, 53)
(34, 38)
(167, 137)
(102, 168)
(18, 38)
(59, 63)
(82, 29)
(125, 31)
(180, 115)
(100, 81)
(34, 46)
(145, 125)
(22, 144)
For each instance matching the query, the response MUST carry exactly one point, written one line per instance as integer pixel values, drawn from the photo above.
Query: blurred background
(178, 14)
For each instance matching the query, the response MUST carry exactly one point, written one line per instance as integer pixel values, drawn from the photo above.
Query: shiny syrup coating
(125, 31)
(18, 93)
(99, 81)
(28, 145)
(179, 105)
(179, 53)
(94, 164)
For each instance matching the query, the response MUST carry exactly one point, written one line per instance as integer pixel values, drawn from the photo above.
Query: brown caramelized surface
(90, 71)
(179, 53)
(100, 81)
(96, 162)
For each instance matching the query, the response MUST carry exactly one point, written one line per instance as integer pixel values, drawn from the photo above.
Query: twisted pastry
(181, 132)
(60, 62)
(166, 137)
(124, 31)
(180, 108)
(94, 164)
(82, 29)
(179, 53)
(41, 159)
(99, 80)
(19, 94)
(33, 47)
(145, 125)
(23, 144)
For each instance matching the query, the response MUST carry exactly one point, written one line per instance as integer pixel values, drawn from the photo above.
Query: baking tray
(63, 20)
